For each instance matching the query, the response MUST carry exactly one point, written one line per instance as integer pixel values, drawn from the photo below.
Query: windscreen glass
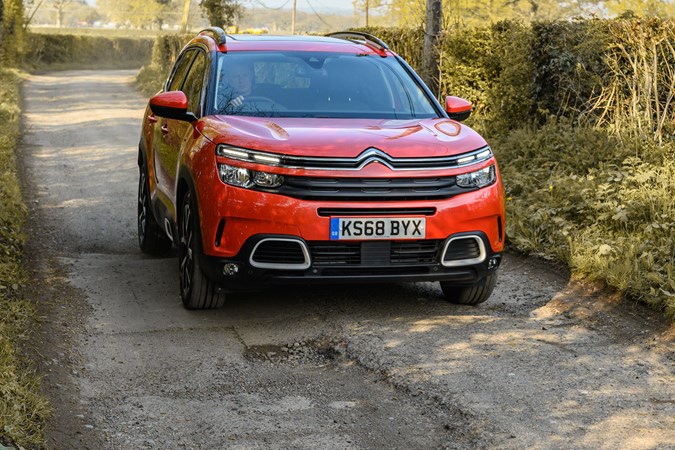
(314, 84)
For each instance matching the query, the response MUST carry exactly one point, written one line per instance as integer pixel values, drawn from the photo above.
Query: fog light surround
(230, 269)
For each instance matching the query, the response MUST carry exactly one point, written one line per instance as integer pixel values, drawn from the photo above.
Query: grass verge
(23, 409)
(601, 205)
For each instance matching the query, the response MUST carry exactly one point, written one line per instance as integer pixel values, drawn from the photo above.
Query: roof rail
(217, 33)
(359, 36)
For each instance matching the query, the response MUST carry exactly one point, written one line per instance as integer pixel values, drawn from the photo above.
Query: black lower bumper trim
(249, 278)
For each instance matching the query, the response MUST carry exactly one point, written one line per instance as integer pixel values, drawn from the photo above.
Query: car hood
(342, 137)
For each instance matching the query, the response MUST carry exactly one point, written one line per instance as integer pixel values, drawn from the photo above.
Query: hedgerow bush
(165, 50)
(67, 51)
(582, 196)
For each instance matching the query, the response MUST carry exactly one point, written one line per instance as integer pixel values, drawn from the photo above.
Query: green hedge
(616, 74)
(80, 51)
(165, 50)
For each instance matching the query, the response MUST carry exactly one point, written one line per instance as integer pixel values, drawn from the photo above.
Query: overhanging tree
(222, 13)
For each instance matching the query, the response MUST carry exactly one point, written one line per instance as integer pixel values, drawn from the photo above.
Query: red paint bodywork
(174, 99)
(248, 212)
(456, 105)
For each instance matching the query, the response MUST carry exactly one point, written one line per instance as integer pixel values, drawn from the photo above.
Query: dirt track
(544, 364)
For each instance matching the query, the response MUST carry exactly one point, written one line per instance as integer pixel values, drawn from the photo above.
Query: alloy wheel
(186, 249)
(142, 206)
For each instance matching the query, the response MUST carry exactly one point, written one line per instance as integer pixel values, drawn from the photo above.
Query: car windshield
(315, 84)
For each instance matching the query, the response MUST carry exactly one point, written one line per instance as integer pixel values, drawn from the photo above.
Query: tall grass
(638, 96)
(23, 409)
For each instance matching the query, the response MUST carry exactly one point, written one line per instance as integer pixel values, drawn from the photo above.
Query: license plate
(342, 228)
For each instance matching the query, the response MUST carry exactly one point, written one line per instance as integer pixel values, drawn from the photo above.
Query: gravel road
(545, 364)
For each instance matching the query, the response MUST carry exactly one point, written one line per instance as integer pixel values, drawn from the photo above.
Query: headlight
(242, 154)
(238, 176)
(268, 180)
(477, 179)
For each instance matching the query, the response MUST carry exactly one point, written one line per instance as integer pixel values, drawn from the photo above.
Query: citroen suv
(270, 160)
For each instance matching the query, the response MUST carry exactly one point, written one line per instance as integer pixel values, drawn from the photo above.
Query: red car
(271, 160)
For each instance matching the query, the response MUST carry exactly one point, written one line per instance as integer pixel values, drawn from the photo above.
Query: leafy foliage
(221, 13)
(601, 205)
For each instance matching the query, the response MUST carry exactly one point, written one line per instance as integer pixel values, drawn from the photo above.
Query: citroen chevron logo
(374, 155)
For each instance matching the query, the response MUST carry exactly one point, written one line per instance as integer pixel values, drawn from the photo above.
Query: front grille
(370, 189)
(375, 155)
(278, 252)
(329, 253)
(371, 212)
(462, 249)
(372, 253)
(420, 252)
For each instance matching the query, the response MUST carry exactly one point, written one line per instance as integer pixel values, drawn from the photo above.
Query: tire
(196, 290)
(151, 236)
(470, 295)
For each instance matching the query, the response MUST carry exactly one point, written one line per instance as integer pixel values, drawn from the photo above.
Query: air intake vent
(277, 253)
(463, 250)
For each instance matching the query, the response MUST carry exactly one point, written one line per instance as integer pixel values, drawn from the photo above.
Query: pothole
(314, 352)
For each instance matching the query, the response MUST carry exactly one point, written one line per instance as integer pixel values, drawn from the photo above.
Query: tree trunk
(430, 69)
(367, 8)
(186, 15)
(293, 17)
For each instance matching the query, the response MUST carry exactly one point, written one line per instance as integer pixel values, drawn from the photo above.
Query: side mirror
(172, 105)
(457, 108)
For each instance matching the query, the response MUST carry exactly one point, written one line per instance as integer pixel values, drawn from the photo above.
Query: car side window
(194, 82)
(181, 68)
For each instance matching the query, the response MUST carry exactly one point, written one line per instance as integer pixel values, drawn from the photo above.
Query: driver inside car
(237, 81)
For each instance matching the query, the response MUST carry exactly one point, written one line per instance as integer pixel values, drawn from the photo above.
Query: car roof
(266, 42)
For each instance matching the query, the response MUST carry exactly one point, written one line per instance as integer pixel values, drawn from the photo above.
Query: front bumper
(243, 272)
(236, 220)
